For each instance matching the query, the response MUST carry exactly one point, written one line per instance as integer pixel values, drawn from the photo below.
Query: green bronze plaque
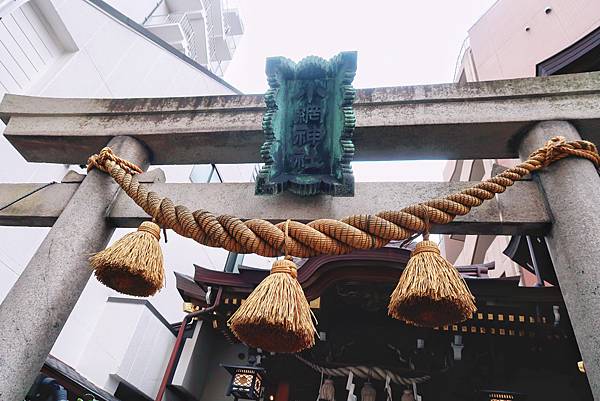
(308, 126)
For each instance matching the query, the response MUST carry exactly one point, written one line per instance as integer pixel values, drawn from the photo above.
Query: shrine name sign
(308, 126)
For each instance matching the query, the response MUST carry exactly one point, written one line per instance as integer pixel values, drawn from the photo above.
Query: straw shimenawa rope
(365, 372)
(326, 236)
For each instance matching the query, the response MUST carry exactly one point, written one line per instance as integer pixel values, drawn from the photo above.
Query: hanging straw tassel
(431, 292)
(134, 264)
(368, 392)
(276, 316)
(327, 391)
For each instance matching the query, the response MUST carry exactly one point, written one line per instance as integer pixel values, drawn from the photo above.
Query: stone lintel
(506, 214)
(446, 121)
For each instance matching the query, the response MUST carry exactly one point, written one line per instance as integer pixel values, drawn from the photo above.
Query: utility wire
(9, 267)
(12, 203)
(27, 194)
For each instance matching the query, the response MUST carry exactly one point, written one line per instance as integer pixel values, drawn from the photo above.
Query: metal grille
(242, 380)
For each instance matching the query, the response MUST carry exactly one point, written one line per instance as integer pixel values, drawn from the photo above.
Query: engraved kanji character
(313, 136)
(300, 116)
(313, 113)
(299, 134)
(297, 160)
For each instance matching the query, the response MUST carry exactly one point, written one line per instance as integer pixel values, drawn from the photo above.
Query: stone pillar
(38, 305)
(572, 190)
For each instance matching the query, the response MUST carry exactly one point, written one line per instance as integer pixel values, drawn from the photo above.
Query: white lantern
(407, 396)
(368, 392)
(327, 391)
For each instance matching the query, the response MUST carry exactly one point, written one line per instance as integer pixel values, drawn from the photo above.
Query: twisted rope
(365, 372)
(326, 236)
(106, 156)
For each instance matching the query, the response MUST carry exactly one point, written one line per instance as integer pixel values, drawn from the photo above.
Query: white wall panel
(128, 343)
(155, 80)
(17, 51)
(41, 31)
(74, 80)
(47, 31)
(108, 50)
(18, 35)
(83, 21)
(136, 62)
(12, 64)
(29, 25)
(28, 47)
(138, 10)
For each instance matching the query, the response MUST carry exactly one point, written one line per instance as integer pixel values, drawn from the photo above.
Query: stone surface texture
(506, 214)
(572, 190)
(38, 305)
(447, 121)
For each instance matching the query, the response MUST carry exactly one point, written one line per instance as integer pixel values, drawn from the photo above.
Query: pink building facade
(513, 39)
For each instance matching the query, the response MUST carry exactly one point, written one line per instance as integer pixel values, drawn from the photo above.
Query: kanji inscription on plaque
(308, 126)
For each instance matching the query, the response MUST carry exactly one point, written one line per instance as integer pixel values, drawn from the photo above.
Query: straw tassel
(327, 391)
(134, 264)
(276, 317)
(431, 292)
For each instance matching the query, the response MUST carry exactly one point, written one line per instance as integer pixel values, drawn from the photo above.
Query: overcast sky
(399, 42)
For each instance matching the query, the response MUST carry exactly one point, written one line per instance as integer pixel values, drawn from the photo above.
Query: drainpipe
(176, 353)
(536, 268)
(60, 394)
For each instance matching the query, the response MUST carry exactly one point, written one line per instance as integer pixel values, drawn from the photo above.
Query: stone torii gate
(498, 119)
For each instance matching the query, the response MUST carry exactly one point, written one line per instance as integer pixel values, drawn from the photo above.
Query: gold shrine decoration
(430, 292)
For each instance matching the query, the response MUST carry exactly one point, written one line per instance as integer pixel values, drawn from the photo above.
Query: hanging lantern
(327, 391)
(407, 395)
(246, 382)
(368, 392)
(500, 395)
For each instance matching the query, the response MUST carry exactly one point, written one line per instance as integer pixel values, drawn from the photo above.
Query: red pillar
(283, 391)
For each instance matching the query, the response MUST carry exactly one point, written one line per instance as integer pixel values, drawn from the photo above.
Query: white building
(205, 31)
(115, 49)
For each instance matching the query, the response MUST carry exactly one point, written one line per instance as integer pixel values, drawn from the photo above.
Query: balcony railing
(190, 37)
(211, 43)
